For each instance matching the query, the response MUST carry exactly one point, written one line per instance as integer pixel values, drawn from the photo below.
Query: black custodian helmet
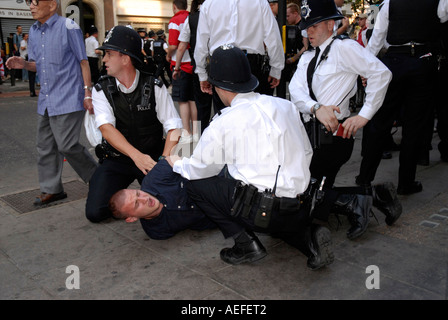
(124, 40)
(230, 70)
(315, 11)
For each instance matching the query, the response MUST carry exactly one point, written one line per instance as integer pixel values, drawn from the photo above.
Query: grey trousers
(58, 137)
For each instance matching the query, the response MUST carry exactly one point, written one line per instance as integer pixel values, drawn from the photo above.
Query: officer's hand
(15, 62)
(144, 162)
(352, 124)
(326, 116)
(364, 81)
(206, 87)
(273, 81)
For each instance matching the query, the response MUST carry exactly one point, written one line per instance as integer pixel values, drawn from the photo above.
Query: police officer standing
(412, 58)
(147, 50)
(249, 25)
(159, 51)
(321, 88)
(133, 111)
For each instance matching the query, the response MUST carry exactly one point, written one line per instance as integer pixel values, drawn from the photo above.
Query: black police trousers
(411, 95)
(328, 159)
(215, 197)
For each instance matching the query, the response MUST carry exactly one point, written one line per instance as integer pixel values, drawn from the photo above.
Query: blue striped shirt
(57, 47)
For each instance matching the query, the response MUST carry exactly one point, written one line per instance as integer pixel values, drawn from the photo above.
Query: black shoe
(359, 218)
(239, 253)
(414, 187)
(33, 95)
(385, 199)
(321, 247)
(46, 198)
(357, 208)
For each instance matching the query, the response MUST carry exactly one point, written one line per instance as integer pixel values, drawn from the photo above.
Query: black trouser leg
(203, 103)
(214, 196)
(411, 89)
(329, 158)
(442, 110)
(32, 79)
(160, 72)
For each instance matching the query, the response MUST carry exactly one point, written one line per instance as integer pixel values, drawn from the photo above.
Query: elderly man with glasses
(57, 52)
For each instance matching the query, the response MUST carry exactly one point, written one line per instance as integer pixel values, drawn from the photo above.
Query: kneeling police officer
(133, 111)
(267, 156)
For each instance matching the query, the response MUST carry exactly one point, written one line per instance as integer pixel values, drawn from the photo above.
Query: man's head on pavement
(132, 205)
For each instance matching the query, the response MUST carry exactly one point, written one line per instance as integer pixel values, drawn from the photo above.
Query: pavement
(55, 253)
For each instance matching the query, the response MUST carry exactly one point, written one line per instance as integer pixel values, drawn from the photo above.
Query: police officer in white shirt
(263, 144)
(250, 26)
(134, 112)
(323, 84)
(412, 58)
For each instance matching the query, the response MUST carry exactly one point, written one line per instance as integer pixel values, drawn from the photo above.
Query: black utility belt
(255, 57)
(416, 50)
(248, 196)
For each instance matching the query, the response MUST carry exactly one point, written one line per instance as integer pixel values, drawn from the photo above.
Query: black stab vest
(413, 20)
(138, 124)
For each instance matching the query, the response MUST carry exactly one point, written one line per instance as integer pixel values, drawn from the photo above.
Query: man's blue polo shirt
(57, 46)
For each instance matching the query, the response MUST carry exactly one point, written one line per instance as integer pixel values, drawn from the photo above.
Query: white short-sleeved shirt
(253, 147)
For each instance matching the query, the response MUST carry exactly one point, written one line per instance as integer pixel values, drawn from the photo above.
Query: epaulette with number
(99, 85)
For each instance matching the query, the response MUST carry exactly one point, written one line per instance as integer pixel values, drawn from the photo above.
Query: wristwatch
(87, 87)
(316, 107)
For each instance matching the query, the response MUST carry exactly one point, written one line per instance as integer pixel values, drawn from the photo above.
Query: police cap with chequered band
(315, 11)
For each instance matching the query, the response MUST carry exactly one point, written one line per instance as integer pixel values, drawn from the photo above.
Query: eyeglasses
(34, 2)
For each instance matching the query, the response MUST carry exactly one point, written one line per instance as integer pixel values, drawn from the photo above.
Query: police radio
(263, 215)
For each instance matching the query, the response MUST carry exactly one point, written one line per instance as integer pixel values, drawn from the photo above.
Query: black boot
(385, 199)
(247, 248)
(357, 207)
(321, 247)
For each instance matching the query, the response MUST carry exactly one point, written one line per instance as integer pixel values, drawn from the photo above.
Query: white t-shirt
(24, 52)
